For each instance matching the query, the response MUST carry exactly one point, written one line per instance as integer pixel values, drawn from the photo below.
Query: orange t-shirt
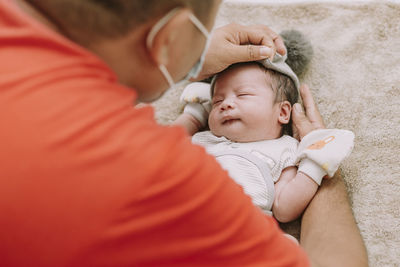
(88, 180)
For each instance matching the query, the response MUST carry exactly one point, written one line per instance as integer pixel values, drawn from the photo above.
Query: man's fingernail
(298, 107)
(265, 51)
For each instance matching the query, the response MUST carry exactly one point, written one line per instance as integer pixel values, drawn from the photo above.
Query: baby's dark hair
(283, 87)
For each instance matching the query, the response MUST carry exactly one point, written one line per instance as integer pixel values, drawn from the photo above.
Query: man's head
(251, 103)
(98, 19)
(117, 30)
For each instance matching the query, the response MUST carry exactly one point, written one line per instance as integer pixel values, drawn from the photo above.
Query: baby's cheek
(212, 121)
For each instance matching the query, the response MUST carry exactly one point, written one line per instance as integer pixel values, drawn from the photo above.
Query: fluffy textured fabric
(299, 50)
(355, 77)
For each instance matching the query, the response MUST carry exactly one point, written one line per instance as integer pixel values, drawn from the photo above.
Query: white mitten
(321, 151)
(197, 97)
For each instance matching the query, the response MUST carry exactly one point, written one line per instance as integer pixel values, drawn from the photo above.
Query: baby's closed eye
(244, 95)
(216, 101)
(244, 92)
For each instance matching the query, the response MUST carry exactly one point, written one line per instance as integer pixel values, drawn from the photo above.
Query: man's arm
(329, 233)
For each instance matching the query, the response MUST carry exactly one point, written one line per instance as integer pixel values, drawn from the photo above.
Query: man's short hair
(113, 18)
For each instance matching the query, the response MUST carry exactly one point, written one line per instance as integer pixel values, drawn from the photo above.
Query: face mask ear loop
(161, 23)
(150, 38)
(199, 25)
(167, 76)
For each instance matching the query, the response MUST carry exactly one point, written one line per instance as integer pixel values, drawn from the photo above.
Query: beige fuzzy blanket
(355, 78)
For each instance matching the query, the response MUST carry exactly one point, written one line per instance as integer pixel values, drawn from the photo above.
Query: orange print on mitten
(321, 143)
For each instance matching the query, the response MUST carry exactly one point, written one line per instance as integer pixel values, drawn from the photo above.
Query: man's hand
(238, 43)
(311, 119)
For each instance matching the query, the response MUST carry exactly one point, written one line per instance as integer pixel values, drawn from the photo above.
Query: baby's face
(243, 108)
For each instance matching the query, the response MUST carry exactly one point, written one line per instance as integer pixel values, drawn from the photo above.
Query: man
(88, 180)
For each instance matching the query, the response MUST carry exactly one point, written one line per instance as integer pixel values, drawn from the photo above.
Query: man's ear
(285, 110)
(163, 39)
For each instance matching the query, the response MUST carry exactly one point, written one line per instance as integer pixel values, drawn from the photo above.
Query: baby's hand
(321, 151)
(197, 97)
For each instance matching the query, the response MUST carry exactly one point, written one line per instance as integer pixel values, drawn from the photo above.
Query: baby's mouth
(229, 120)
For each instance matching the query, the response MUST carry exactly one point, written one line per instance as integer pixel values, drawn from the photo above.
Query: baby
(249, 121)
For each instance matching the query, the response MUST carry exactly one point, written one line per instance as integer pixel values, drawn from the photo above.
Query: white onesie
(256, 166)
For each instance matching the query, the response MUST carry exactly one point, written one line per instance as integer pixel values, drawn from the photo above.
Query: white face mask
(195, 71)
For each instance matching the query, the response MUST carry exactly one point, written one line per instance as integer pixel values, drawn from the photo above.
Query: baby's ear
(285, 109)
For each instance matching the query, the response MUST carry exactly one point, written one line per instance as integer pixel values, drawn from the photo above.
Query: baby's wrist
(312, 169)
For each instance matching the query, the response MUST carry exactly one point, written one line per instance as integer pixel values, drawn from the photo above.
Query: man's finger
(271, 38)
(300, 121)
(262, 35)
(295, 132)
(308, 100)
(244, 53)
(280, 45)
(270, 43)
(311, 108)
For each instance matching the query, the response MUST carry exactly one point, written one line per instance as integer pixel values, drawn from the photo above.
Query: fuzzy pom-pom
(299, 50)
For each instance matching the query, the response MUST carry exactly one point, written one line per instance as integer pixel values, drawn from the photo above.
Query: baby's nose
(227, 104)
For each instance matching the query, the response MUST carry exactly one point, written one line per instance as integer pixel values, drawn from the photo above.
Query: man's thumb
(300, 121)
(244, 53)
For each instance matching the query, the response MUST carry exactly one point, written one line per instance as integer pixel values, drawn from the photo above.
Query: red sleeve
(188, 212)
(125, 192)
